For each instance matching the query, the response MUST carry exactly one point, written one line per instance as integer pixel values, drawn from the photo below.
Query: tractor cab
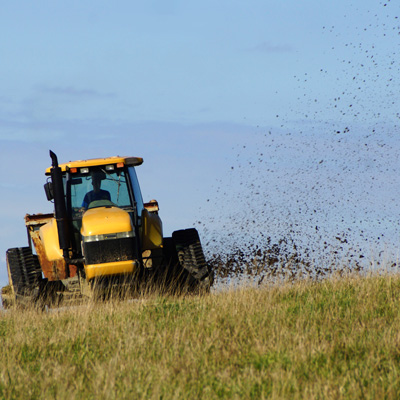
(97, 184)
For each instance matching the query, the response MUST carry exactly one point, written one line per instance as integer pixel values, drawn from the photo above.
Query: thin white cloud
(72, 91)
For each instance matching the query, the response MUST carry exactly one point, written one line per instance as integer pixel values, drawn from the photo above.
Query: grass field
(332, 339)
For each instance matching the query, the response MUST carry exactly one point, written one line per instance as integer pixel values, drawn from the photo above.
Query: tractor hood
(105, 221)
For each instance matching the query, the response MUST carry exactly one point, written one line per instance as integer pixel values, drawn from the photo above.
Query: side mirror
(48, 188)
(152, 206)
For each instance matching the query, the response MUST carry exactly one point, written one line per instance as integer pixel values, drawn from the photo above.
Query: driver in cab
(97, 193)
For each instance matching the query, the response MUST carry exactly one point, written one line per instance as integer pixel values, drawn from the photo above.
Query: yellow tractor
(101, 237)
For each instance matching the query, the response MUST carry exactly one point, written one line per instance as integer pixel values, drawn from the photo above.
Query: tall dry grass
(332, 339)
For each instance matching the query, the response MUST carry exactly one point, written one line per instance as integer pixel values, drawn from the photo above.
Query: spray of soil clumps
(317, 193)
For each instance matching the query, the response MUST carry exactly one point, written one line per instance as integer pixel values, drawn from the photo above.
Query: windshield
(98, 188)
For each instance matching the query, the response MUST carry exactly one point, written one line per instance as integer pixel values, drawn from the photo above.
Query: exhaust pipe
(59, 206)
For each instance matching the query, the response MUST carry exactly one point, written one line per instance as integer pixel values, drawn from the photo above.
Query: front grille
(111, 250)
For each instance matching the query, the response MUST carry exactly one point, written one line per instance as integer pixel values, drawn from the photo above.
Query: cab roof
(130, 161)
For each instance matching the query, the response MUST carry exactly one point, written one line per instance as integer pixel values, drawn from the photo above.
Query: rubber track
(191, 255)
(24, 269)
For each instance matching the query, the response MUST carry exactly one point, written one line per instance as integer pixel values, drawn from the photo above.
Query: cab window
(136, 190)
(97, 185)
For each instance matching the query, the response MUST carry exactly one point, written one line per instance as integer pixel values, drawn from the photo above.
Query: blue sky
(186, 85)
(181, 62)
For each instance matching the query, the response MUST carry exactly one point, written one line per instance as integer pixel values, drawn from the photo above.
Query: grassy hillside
(334, 339)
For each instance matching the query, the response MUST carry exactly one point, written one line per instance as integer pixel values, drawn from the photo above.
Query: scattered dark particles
(318, 194)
